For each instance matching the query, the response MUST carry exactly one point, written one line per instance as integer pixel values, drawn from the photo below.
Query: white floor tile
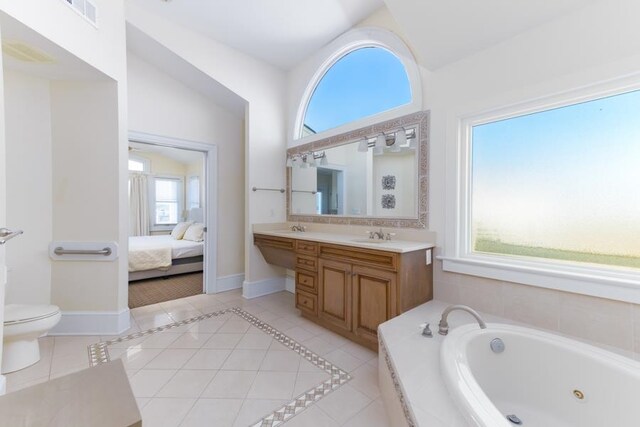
(208, 359)
(373, 415)
(344, 360)
(307, 380)
(191, 339)
(165, 412)
(213, 412)
(147, 382)
(254, 409)
(244, 360)
(230, 384)
(228, 341)
(260, 341)
(343, 403)
(365, 379)
(171, 359)
(273, 385)
(311, 417)
(281, 361)
(186, 383)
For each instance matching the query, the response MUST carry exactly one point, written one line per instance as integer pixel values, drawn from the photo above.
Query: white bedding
(150, 252)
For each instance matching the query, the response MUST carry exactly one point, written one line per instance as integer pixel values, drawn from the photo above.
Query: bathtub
(539, 379)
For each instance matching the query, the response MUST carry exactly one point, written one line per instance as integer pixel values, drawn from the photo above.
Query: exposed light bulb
(401, 137)
(363, 146)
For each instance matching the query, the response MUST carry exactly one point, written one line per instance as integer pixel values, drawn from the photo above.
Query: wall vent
(85, 8)
(24, 52)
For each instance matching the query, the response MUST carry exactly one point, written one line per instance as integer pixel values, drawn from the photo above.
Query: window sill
(617, 285)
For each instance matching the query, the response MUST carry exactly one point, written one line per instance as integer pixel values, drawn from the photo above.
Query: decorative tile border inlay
(408, 415)
(98, 354)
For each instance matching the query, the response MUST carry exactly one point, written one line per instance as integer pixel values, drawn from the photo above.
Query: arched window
(363, 82)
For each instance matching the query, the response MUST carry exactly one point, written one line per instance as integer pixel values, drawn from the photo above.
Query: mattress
(179, 248)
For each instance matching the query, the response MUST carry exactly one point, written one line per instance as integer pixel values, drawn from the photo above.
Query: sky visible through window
(362, 83)
(563, 184)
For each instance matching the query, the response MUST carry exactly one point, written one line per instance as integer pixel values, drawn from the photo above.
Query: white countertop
(354, 240)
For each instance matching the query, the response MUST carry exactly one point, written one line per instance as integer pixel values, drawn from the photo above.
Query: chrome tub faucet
(443, 326)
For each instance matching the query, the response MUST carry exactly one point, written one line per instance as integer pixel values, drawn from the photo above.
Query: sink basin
(374, 241)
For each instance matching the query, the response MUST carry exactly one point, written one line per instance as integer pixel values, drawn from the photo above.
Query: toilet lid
(20, 313)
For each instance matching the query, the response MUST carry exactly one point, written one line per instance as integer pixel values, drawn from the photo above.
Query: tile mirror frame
(419, 121)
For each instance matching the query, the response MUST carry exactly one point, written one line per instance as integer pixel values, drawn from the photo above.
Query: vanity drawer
(306, 262)
(306, 282)
(306, 247)
(307, 302)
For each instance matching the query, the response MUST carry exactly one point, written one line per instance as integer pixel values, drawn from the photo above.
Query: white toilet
(23, 325)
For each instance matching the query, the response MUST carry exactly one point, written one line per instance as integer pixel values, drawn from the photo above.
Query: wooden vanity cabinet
(352, 290)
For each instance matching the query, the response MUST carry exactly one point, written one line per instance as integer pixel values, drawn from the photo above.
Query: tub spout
(443, 326)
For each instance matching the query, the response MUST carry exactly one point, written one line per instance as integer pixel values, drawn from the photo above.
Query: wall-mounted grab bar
(304, 191)
(6, 235)
(61, 251)
(281, 190)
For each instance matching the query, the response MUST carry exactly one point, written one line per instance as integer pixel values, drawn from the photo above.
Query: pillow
(179, 230)
(195, 233)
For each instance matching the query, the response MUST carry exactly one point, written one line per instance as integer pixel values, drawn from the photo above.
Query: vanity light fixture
(381, 143)
(363, 146)
(323, 159)
(305, 160)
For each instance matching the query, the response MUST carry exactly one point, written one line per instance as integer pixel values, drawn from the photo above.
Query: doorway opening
(171, 219)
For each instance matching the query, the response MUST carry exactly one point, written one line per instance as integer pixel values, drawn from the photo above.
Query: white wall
(84, 117)
(263, 87)
(161, 105)
(90, 119)
(29, 189)
(60, 23)
(598, 43)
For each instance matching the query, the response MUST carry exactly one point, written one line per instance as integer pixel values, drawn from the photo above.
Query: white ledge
(610, 284)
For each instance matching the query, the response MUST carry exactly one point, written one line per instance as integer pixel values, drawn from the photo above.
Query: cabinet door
(334, 293)
(374, 300)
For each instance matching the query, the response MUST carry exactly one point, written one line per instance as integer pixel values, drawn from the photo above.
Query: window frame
(153, 226)
(617, 283)
(317, 67)
(146, 163)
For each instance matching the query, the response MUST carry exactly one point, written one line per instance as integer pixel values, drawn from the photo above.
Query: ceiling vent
(24, 52)
(85, 8)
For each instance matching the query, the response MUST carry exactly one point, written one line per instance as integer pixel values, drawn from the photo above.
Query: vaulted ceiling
(285, 32)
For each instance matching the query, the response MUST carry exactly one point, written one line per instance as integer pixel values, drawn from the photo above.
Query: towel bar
(61, 251)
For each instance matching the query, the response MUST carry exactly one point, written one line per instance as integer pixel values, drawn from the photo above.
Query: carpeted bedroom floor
(152, 291)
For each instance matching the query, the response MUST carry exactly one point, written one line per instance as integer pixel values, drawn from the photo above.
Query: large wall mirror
(375, 176)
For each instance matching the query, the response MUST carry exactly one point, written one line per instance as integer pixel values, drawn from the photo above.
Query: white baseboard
(290, 285)
(3, 385)
(92, 323)
(263, 287)
(228, 283)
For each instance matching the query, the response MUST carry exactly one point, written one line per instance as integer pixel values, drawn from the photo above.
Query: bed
(159, 256)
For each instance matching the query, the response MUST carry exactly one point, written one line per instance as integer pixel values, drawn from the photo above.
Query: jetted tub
(539, 379)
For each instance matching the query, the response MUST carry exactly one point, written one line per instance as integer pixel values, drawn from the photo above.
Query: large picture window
(559, 185)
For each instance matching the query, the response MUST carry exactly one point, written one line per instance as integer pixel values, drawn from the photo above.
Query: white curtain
(138, 205)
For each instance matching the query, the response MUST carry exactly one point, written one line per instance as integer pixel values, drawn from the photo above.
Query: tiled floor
(223, 371)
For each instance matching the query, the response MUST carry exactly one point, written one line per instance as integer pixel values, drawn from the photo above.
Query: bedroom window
(167, 201)
(193, 192)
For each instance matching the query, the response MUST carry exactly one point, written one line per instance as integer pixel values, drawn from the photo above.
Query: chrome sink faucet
(298, 227)
(379, 234)
(443, 326)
